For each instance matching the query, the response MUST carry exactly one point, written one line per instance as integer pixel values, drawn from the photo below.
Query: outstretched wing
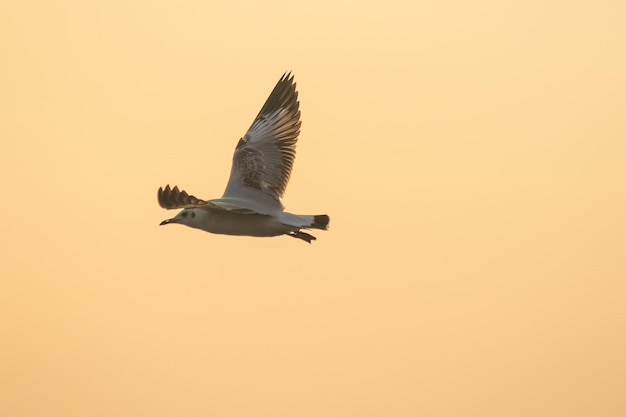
(264, 155)
(173, 198)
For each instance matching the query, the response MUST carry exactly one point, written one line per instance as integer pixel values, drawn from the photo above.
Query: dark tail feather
(320, 222)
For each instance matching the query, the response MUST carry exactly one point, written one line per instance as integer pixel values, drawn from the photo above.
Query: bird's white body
(242, 224)
(261, 168)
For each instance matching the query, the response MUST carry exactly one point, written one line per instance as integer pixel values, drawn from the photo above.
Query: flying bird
(260, 172)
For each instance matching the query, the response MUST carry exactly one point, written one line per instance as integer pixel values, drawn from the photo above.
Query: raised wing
(264, 155)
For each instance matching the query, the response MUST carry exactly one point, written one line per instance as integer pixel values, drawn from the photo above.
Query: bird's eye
(193, 214)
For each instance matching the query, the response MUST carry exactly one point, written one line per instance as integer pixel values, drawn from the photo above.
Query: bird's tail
(308, 222)
(320, 222)
(304, 221)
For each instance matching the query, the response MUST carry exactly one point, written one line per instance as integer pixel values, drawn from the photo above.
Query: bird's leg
(301, 235)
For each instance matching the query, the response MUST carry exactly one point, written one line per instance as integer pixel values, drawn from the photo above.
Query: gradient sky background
(471, 155)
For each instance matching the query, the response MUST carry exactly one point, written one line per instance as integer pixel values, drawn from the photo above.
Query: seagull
(259, 175)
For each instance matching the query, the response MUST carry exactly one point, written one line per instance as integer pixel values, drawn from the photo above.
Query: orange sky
(471, 156)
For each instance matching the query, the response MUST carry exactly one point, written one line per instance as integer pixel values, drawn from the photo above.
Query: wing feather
(173, 198)
(264, 156)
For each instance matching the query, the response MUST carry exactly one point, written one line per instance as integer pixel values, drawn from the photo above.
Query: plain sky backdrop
(471, 156)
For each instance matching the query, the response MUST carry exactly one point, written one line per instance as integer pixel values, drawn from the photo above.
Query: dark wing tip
(288, 75)
(171, 198)
(284, 95)
(163, 196)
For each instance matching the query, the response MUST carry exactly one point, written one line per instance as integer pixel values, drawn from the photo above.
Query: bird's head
(191, 217)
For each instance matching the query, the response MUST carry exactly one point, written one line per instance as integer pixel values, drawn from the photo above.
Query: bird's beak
(168, 221)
